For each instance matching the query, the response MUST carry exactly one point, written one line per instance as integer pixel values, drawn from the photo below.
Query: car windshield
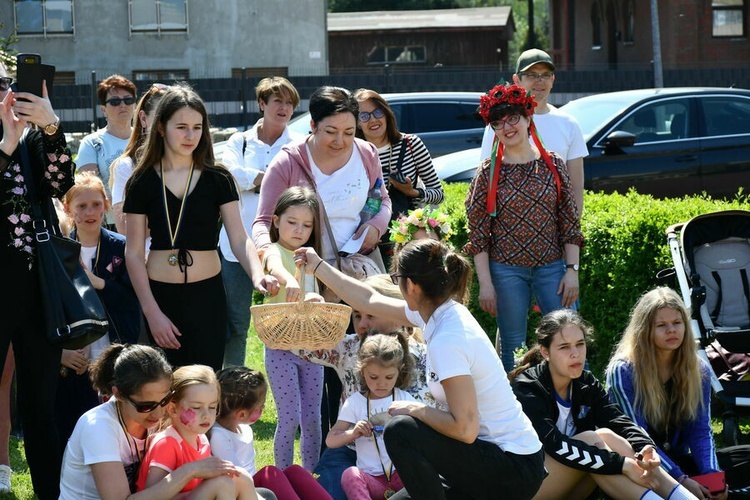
(592, 113)
(300, 124)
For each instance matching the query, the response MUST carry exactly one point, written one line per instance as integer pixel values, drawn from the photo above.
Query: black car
(445, 121)
(666, 142)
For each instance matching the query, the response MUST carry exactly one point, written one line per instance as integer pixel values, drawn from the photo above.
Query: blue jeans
(514, 287)
(239, 289)
(332, 464)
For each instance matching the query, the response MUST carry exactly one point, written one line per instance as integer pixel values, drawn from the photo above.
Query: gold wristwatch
(51, 129)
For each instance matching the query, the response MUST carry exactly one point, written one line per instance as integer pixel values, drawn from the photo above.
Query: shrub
(625, 248)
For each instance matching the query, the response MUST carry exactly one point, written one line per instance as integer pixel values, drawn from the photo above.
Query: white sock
(650, 495)
(679, 492)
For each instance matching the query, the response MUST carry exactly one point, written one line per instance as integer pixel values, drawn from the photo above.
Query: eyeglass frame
(396, 276)
(120, 100)
(511, 120)
(149, 406)
(2, 84)
(533, 75)
(371, 114)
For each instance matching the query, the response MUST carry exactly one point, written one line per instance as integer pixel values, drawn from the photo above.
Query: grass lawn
(263, 430)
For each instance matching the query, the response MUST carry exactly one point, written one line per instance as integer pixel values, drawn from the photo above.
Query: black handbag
(73, 313)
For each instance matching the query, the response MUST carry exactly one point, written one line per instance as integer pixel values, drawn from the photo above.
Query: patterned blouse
(532, 224)
(343, 359)
(53, 169)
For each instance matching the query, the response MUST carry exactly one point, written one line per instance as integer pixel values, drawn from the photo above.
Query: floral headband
(505, 94)
(433, 221)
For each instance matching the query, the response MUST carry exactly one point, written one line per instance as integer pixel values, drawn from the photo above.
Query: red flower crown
(506, 94)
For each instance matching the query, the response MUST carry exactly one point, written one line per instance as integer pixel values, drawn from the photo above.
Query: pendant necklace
(172, 259)
(387, 472)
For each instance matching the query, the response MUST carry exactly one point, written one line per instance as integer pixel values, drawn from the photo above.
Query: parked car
(459, 166)
(445, 121)
(665, 142)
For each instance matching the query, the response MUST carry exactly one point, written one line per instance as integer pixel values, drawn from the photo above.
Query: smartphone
(30, 73)
(714, 481)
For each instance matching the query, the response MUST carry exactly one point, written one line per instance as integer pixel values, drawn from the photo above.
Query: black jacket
(591, 409)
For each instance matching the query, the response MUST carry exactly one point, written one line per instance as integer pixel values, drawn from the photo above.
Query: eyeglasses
(376, 113)
(149, 406)
(539, 76)
(510, 120)
(5, 82)
(395, 277)
(116, 101)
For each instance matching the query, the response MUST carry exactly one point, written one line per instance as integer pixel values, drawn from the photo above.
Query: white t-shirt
(235, 447)
(88, 255)
(558, 131)
(121, 171)
(565, 423)
(354, 410)
(97, 437)
(344, 193)
(245, 167)
(457, 345)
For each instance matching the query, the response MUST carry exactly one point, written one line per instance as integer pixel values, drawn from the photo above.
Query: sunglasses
(116, 101)
(5, 82)
(376, 113)
(510, 120)
(149, 406)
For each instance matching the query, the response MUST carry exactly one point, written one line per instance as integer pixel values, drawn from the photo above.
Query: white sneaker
(5, 473)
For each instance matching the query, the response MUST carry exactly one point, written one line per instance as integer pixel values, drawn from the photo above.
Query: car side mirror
(617, 140)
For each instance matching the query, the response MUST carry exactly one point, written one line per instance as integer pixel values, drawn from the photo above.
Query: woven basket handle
(299, 275)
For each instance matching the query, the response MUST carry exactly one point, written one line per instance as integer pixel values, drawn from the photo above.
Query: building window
(629, 22)
(596, 26)
(44, 17)
(165, 75)
(400, 54)
(158, 16)
(728, 18)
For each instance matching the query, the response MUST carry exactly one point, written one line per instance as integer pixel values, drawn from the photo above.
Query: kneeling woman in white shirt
(478, 441)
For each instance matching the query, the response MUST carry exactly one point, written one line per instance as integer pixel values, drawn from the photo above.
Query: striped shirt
(417, 165)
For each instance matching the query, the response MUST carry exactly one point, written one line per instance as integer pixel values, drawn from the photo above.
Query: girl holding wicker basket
(297, 385)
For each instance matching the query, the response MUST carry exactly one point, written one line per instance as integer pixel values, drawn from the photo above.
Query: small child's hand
(362, 428)
(292, 290)
(212, 467)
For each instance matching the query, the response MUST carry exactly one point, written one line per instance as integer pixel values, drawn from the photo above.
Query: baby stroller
(711, 255)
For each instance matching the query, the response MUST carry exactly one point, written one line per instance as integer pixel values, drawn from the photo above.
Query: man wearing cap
(559, 131)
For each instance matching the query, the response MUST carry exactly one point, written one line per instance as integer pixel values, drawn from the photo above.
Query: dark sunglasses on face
(376, 113)
(5, 82)
(116, 101)
(149, 406)
(510, 120)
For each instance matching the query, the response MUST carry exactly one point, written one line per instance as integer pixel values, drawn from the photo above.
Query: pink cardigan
(290, 167)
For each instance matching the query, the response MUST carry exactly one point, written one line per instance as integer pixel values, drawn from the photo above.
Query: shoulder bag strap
(402, 152)
(325, 219)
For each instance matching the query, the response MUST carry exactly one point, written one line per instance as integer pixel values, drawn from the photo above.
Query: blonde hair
(659, 408)
(190, 375)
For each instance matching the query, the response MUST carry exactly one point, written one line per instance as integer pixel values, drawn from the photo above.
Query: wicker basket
(301, 325)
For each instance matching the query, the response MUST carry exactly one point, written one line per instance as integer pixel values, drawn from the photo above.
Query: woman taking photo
(339, 167)
(178, 194)
(477, 440)
(407, 166)
(657, 378)
(588, 441)
(524, 228)
(105, 450)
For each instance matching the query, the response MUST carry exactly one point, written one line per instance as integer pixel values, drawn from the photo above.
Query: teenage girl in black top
(180, 195)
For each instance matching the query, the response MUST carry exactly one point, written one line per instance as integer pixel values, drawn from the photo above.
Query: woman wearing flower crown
(524, 227)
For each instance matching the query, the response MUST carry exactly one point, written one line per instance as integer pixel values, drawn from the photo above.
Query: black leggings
(199, 311)
(433, 466)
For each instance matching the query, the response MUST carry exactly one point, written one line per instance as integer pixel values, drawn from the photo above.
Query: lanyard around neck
(173, 235)
(375, 439)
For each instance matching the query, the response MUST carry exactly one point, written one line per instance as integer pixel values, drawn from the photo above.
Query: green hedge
(625, 247)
